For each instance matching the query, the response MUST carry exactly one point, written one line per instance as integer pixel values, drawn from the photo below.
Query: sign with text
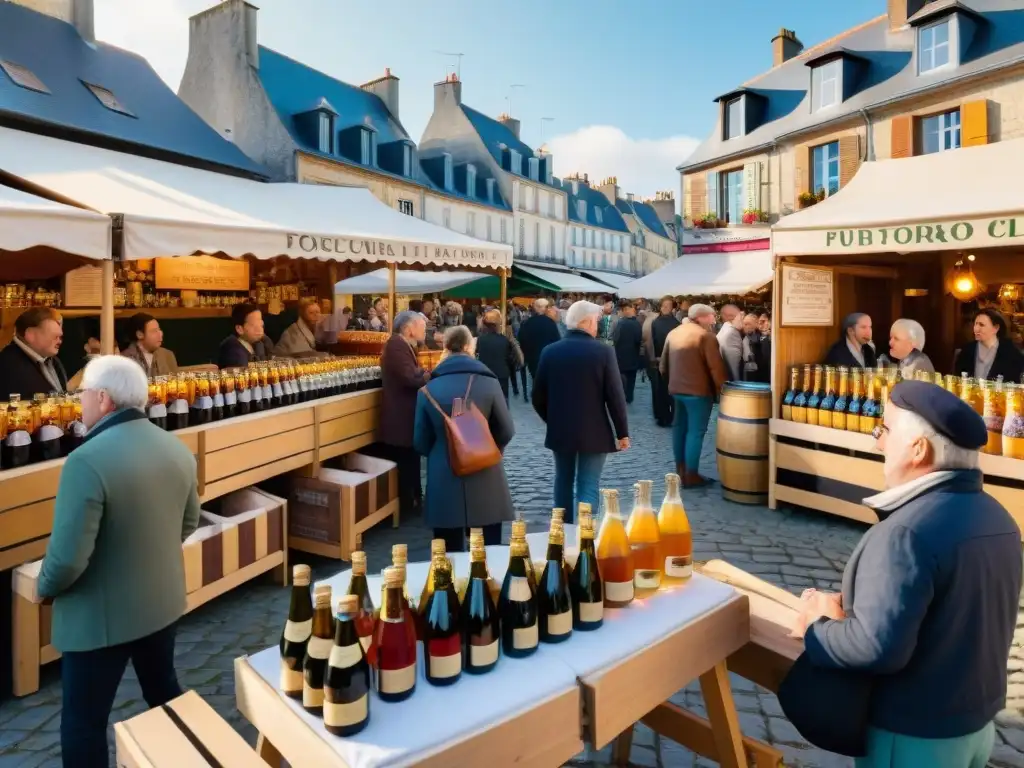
(202, 273)
(807, 296)
(83, 287)
(906, 238)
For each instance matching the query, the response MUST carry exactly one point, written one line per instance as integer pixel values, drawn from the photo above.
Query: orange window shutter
(902, 136)
(849, 158)
(974, 123)
(697, 200)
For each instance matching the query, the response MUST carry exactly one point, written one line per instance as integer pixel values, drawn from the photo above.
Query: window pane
(940, 33)
(733, 119)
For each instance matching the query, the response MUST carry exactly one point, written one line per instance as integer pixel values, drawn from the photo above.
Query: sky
(619, 88)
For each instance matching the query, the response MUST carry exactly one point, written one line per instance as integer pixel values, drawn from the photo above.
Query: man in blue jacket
(930, 595)
(578, 393)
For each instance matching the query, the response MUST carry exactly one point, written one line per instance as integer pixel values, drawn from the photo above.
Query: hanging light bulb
(964, 285)
(1009, 292)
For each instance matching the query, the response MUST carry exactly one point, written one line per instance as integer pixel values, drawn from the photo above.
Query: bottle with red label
(394, 642)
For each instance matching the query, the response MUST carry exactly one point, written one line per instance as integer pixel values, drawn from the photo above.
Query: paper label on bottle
(519, 589)
(218, 400)
(244, 396)
(645, 578)
(445, 666)
(483, 655)
(276, 390)
(157, 411)
(679, 567)
(230, 398)
(319, 647)
(287, 387)
(298, 631)
(560, 623)
(312, 697)
(591, 612)
(49, 432)
(618, 591)
(343, 656)
(366, 641)
(397, 680)
(341, 715)
(203, 403)
(178, 407)
(267, 392)
(528, 637)
(291, 679)
(18, 438)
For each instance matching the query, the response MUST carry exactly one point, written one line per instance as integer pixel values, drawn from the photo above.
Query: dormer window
(575, 187)
(515, 162)
(471, 180)
(368, 147)
(825, 85)
(325, 138)
(599, 216)
(407, 161)
(733, 118)
(534, 168)
(581, 209)
(108, 99)
(935, 46)
(490, 190)
(449, 175)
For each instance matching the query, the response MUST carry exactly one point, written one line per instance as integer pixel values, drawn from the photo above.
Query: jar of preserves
(952, 384)
(49, 438)
(201, 410)
(177, 409)
(970, 393)
(1013, 422)
(156, 409)
(227, 393)
(216, 395)
(16, 450)
(993, 412)
(243, 391)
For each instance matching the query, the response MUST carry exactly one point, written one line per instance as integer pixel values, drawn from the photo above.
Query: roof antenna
(458, 61)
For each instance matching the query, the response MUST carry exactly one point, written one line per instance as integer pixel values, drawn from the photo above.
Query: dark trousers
(524, 373)
(663, 406)
(503, 383)
(407, 461)
(455, 538)
(90, 680)
(628, 384)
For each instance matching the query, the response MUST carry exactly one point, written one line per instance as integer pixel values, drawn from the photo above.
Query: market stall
(935, 258)
(566, 281)
(705, 274)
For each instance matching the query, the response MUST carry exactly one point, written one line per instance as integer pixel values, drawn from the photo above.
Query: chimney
(901, 10)
(447, 91)
(252, 44)
(610, 189)
(785, 46)
(509, 122)
(77, 13)
(664, 204)
(386, 89)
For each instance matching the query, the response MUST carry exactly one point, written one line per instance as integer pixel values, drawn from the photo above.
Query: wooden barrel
(742, 442)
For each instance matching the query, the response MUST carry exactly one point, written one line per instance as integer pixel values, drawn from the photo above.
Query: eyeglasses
(878, 431)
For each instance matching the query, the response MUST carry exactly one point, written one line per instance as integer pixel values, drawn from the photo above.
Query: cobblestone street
(792, 549)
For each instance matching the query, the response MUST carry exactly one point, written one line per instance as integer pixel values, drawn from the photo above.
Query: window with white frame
(447, 217)
(368, 147)
(534, 168)
(581, 209)
(471, 180)
(825, 82)
(731, 188)
(515, 161)
(407, 161)
(933, 46)
(490, 234)
(504, 229)
(599, 216)
(825, 168)
(324, 143)
(405, 206)
(449, 174)
(733, 118)
(490, 190)
(471, 223)
(940, 132)
(536, 237)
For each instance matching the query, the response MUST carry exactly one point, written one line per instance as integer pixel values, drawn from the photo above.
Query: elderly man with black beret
(914, 650)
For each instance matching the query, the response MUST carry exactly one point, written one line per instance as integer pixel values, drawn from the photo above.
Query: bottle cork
(322, 596)
(518, 529)
(475, 532)
(359, 563)
(348, 604)
(394, 577)
(400, 553)
(558, 513)
(584, 508)
(437, 547)
(301, 575)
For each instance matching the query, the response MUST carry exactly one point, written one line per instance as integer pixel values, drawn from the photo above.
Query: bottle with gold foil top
(799, 410)
(645, 541)
(815, 397)
(400, 561)
(481, 627)
(857, 383)
(437, 555)
(828, 402)
(554, 603)
(791, 393)
(360, 588)
(585, 586)
(558, 513)
(517, 605)
(297, 631)
(994, 413)
(519, 532)
(277, 396)
(869, 407)
(1013, 422)
(971, 394)
(394, 641)
(676, 536)
(257, 402)
(178, 409)
(318, 651)
(838, 418)
(476, 539)
(614, 556)
(202, 405)
(156, 408)
(346, 704)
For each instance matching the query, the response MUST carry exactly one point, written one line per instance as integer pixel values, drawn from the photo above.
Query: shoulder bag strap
(433, 402)
(469, 386)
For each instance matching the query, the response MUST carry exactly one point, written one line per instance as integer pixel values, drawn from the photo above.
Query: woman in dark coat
(854, 348)
(482, 500)
(992, 353)
(494, 350)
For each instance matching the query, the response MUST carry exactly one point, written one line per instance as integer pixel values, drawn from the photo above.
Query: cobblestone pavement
(792, 549)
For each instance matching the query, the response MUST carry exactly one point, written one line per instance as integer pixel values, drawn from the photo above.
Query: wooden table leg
(26, 645)
(268, 752)
(621, 748)
(725, 722)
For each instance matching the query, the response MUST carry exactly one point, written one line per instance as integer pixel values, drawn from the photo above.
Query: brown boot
(694, 480)
(681, 470)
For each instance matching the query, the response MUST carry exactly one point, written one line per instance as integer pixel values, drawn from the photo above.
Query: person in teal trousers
(113, 567)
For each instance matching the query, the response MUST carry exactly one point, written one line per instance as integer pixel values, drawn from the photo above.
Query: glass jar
(1013, 422)
(993, 411)
(970, 393)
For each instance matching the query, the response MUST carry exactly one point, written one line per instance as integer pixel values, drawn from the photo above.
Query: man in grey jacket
(730, 341)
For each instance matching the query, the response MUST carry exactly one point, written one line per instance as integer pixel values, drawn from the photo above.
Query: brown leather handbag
(471, 447)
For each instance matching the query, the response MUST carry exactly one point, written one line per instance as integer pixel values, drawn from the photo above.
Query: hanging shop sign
(919, 236)
(807, 296)
(203, 273)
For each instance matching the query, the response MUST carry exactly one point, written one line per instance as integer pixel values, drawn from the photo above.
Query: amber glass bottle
(645, 541)
(347, 680)
(554, 603)
(614, 556)
(17, 447)
(676, 536)
(318, 651)
(585, 580)
(358, 586)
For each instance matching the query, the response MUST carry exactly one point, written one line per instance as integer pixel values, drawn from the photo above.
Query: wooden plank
(23, 524)
(619, 696)
(695, 733)
(190, 439)
(213, 731)
(347, 446)
(1011, 498)
(846, 469)
(272, 448)
(827, 504)
(268, 753)
(255, 475)
(26, 553)
(27, 485)
(361, 401)
(760, 665)
(25, 646)
(235, 579)
(346, 427)
(246, 429)
(725, 721)
(812, 433)
(157, 737)
(333, 551)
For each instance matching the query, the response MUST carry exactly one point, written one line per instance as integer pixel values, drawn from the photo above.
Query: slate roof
(611, 218)
(493, 134)
(160, 125)
(646, 215)
(890, 74)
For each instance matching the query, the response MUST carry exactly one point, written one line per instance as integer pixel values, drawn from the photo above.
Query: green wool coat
(127, 499)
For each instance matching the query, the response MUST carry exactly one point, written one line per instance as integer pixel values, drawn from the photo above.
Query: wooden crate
(347, 423)
(183, 732)
(330, 512)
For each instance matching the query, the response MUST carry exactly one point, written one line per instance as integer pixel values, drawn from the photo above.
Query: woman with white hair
(127, 499)
(906, 342)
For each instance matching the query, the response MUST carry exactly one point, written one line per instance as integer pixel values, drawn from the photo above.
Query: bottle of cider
(791, 393)
(517, 605)
(202, 405)
(178, 408)
(216, 396)
(815, 397)
(49, 436)
(318, 651)
(558, 513)
(856, 399)
(227, 392)
(347, 679)
(481, 629)
(869, 407)
(554, 603)
(828, 402)
(244, 386)
(394, 641)
(645, 541)
(358, 586)
(297, 631)
(442, 636)
(156, 409)
(256, 386)
(277, 395)
(519, 532)
(799, 410)
(614, 556)
(17, 447)
(676, 536)
(266, 386)
(838, 419)
(400, 560)
(585, 580)
(71, 418)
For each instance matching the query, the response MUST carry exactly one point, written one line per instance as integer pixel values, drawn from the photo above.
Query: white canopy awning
(567, 282)
(27, 221)
(173, 210)
(614, 279)
(942, 201)
(704, 274)
(407, 282)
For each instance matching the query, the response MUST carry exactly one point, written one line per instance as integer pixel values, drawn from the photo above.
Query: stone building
(651, 244)
(598, 235)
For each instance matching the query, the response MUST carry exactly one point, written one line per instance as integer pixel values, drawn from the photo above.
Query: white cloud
(642, 166)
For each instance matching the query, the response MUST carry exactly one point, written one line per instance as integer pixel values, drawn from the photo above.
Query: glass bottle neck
(392, 609)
